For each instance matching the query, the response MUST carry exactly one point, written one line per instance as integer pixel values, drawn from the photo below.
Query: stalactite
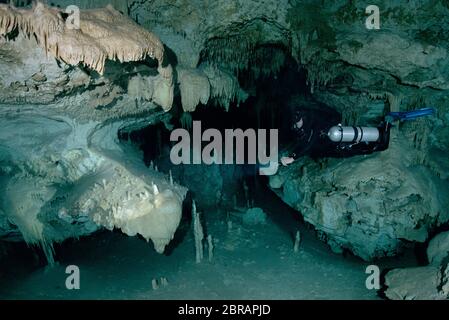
(186, 121)
(395, 101)
(195, 88)
(320, 73)
(103, 34)
(224, 85)
(242, 53)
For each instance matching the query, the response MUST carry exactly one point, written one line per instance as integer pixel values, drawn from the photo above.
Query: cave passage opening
(226, 187)
(269, 105)
(273, 97)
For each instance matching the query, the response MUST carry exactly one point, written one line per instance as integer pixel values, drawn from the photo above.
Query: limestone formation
(421, 283)
(63, 174)
(368, 204)
(99, 35)
(195, 88)
(438, 249)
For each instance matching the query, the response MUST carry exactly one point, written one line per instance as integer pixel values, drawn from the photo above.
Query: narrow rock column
(297, 241)
(198, 233)
(210, 247)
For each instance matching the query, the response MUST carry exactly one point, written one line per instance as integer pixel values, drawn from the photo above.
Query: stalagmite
(155, 190)
(297, 241)
(171, 177)
(229, 221)
(198, 233)
(164, 282)
(210, 247)
(245, 189)
(229, 225)
(154, 284)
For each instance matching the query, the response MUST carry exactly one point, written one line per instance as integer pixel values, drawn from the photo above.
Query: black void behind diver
(320, 134)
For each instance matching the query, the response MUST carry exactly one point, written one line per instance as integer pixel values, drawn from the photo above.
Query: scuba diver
(320, 134)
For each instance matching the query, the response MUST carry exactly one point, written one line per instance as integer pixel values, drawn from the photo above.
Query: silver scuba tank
(353, 134)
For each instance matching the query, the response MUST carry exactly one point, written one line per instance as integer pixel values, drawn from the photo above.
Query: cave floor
(250, 262)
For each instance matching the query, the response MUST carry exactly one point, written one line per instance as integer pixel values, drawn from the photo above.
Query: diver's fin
(411, 115)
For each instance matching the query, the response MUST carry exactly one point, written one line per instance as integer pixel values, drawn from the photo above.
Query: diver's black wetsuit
(312, 138)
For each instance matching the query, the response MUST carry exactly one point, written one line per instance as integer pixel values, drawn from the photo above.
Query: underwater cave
(343, 196)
